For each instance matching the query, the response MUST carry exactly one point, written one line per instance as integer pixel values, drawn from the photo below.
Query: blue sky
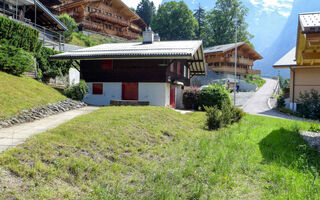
(266, 18)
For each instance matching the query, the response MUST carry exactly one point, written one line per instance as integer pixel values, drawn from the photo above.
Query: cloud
(282, 7)
(134, 3)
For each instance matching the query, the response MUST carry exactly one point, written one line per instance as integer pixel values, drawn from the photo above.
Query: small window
(97, 88)
(179, 68)
(106, 65)
(172, 67)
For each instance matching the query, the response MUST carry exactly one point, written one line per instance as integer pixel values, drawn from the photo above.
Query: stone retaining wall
(42, 112)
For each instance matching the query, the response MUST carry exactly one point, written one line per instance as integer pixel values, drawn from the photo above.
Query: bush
(255, 80)
(214, 95)
(281, 103)
(71, 25)
(50, 68)
(14, 60)
(191, 98)
(309, 104)
(219, 118)
(18, 35)
(78, 91)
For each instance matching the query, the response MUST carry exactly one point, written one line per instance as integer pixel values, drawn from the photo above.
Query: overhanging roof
(287, 61)
(310, 22)
(192, 51)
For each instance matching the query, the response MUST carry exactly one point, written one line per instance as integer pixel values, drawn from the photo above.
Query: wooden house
(221, 59)
(111, 17)
(304, 60)
(150, 71)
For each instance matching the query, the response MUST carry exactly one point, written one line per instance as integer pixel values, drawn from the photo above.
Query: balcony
(229, 69)
(135, 28)
(92, 26)
(108, 18)
(129, 35)
(243, 61)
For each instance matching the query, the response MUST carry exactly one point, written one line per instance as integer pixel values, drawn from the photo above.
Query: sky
(266, 18)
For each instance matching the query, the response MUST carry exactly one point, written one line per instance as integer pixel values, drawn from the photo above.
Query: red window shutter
(97, 88)
(106, 65)
(179, 68)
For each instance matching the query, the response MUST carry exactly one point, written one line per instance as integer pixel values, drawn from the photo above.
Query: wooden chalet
(221, 59)
(111, 17)
(151, 71)
(304, 60)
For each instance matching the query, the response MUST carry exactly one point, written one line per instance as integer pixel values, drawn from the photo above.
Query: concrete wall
(74, 76)
(155, 93)
(111, 91)
(304, 79)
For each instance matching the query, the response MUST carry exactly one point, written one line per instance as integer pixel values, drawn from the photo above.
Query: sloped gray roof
(222, 48)
(310, 22)
(288, 60)
(189, 50)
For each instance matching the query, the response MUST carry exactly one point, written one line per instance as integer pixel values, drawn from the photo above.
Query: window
(97, 88)
(106, 65)
(172, 67)
(179, 68)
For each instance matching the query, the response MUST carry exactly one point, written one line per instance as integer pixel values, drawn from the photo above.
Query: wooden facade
(165, 71)
(111, 17)
(224, 61)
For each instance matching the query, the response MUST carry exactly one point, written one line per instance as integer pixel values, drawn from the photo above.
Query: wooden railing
(109, 18)
(92, 26)
(231, 70)
(244, 61)
(135, 28)
(129, 35)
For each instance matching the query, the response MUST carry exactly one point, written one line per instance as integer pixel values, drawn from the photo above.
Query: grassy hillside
(82, 40)
(157, 153)
(20, 93)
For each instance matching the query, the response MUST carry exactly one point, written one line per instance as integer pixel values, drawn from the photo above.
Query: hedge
(19, 35)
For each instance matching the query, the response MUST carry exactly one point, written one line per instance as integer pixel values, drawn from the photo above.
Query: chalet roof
(288, 60)
(222, 48)
(310, 22)
(189, 50)
(228, 47)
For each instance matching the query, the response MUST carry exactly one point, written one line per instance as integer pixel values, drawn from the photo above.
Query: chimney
(148, 36)
(156, 37)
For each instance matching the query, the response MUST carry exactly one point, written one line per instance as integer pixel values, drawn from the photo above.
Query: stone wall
(42, 112)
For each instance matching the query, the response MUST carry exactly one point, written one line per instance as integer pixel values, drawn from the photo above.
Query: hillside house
(221, 59)
(149, 71)
(304, 60)
(111, 17)
(34, 14)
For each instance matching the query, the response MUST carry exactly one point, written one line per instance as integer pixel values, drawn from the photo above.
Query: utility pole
(235, 59)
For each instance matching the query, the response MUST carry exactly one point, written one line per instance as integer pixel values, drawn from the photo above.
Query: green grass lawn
(157, 153)
(20, 93)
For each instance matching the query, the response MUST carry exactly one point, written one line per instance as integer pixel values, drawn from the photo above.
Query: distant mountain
(287, 38)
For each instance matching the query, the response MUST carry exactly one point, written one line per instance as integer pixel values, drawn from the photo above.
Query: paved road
(13, 136)
(258, 104)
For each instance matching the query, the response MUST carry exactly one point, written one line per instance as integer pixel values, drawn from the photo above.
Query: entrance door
(130, 91)
(172, 96)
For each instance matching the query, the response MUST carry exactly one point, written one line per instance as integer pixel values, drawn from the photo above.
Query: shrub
(314, 127)
(78, 91)
(309, 104)
(14, 60)
(71, 25)
(18, 35)
(255, 80)
(214, 95)
(214, 118)
(51, 68)
(219, 118)
(281, 103)
(191, 98)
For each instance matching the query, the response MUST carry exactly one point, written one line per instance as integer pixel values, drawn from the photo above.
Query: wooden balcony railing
(135, 28)
(110, 19)
(231, 70)
(92, 26)
(243, 61)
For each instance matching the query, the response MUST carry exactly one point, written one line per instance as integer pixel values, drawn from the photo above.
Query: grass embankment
(156, 153)
(82, 40)
(21, 93)
(255, 80)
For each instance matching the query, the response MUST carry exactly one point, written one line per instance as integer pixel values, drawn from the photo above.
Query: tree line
(175, 21)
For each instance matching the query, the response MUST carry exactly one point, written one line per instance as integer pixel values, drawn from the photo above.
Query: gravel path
(13, 136)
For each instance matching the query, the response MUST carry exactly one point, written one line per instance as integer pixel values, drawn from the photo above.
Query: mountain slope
(21, 93)
(287, 39)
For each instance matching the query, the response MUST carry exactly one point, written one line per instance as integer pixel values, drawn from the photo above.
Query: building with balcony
(221, 59)
(304, 59)
(110, 17)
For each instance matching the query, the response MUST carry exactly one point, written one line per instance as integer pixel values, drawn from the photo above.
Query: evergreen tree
(200, 15)
(146, 10)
